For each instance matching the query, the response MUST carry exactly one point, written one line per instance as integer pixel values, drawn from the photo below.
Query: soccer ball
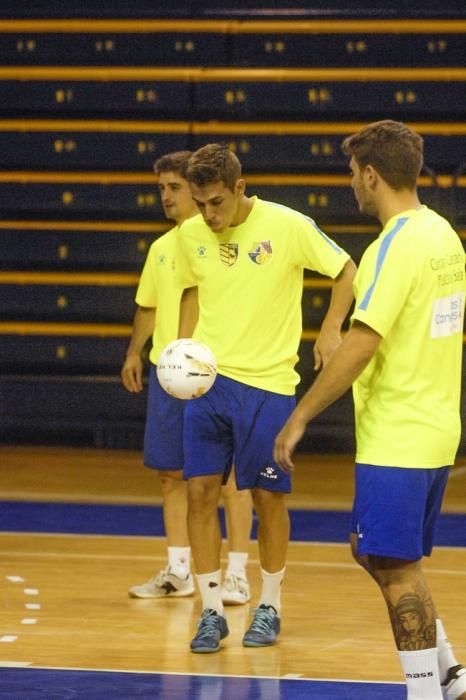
(186, 369)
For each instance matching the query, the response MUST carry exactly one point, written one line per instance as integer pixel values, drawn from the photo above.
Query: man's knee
(171, 480)
(388, 571)
(268, 502)
(361, 560)
(203, 493)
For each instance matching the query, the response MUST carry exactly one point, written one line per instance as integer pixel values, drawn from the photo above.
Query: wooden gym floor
(65, 604)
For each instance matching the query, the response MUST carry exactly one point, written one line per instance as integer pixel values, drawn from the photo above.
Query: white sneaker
(163, 585)
(235, 590)
(454, 687)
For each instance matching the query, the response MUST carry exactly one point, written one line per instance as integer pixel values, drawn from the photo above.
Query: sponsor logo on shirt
(260, 252)
(202, 251)
(447, 316)
(228, 253)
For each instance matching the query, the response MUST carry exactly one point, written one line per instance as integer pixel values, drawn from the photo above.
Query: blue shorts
(395, 510)
(235, 422)
(163, 436)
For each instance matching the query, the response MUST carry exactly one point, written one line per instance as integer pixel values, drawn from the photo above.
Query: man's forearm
(143, 328)
(342, 297)
(343, 368)
(189, 313)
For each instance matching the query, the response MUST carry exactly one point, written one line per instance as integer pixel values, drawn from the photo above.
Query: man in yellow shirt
(403, 357)
(243, 260)
(158, 300)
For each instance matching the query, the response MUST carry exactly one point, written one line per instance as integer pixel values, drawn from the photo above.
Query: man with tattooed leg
(402, 355)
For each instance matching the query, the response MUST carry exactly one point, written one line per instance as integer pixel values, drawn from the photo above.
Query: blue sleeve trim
(383, 250)
(331, 243)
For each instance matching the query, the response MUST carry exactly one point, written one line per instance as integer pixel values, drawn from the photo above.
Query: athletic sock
(271, 589)
(422, 674)
(237, 562)
(179, 561)
(210, 590)
(446, 657)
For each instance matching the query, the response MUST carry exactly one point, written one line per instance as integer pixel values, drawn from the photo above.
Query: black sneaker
(264, 627)
(211, 629)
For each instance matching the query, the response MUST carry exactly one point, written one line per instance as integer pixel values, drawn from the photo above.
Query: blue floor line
(131, 520)
(52, 684)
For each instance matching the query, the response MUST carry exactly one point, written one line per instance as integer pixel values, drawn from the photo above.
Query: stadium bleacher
(91, 94)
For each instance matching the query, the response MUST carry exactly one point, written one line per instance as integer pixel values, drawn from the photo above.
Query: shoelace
(207, 626)
(262, 621)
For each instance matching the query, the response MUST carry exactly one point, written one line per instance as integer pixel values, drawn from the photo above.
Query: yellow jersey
(157, 289)
(410, 288)
(250, 283)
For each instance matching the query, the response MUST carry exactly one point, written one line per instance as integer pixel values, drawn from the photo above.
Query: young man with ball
(403, 357)
(243, 260)
(158, 300)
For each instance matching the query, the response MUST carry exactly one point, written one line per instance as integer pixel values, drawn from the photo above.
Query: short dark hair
(176, 162)
(394, 150)
(214, 163)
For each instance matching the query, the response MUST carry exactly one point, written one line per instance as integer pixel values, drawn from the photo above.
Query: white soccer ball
(186, 368)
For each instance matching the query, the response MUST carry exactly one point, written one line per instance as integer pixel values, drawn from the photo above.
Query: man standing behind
(157, 315)
(244, 260)
(403, 357)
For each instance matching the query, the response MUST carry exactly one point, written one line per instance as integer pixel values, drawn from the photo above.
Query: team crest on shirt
(260, 252)
(228, 253)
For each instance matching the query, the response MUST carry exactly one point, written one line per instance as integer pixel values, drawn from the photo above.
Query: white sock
(422, 674)
(237, 562)
(210, 590)
(179, 561)
(446, 657)
(271, 589)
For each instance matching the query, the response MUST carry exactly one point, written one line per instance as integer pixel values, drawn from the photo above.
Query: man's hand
(324, 347)
(286, 441)
(131, 373)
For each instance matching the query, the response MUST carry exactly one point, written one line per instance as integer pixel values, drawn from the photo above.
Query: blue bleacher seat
(88, 9)
(308, 147)
(327, 9)
(62, 354)
(433, 9)
(88, 409)
(302, 9)
(80, 199)
(239, 94)
(116, 48)
(102, 149)
(36, 247)
(363, 48)
(256, 9)
(315, 304)
(86, 303)
(458, 201)
(327, 198)
(263, 147)
(101, 98)
(330, 204)
(366, 97)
